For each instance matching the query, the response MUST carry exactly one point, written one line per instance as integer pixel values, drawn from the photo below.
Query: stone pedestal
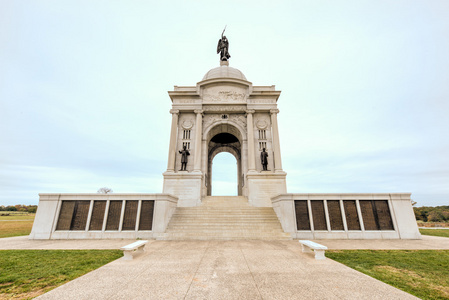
(265, 185)
(184, 185)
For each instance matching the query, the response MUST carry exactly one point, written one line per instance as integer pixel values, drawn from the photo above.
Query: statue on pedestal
(223, 47)
(184, 154)
(264, 159)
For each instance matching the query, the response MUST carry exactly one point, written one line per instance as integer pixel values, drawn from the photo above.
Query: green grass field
(25, 274)
(435, 232)
(423, 273)
(15, 224)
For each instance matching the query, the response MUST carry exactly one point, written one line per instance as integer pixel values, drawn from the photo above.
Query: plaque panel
(333, 207)
(65, 215)
(115, 209)
(129, 219)
(369, 215)
(80, 213)
(96, 221)
(352, 218)
(146, 215)
(302, 215)
(318, 214)
(384, 215)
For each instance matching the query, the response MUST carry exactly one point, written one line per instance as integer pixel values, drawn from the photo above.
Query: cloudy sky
(364, 103)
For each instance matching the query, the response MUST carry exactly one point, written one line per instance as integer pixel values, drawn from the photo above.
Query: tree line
(19, 207)
(432, 214)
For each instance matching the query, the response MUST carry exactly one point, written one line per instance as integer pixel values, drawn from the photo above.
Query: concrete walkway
(224, 270)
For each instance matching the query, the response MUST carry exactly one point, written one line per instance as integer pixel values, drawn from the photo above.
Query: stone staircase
(224, 218)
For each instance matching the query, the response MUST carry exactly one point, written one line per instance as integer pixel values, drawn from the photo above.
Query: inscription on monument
(115, 209)
(129, 219)
(302, 215)
(333, 207)
(352, 218)
(146, 215)
(96, 221)
(319, 219)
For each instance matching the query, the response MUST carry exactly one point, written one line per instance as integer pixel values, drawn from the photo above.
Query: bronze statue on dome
(223, 47)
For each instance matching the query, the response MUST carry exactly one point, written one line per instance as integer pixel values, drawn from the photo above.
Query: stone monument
(224, 112)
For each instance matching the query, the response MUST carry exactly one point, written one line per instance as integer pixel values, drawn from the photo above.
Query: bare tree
(104, 190)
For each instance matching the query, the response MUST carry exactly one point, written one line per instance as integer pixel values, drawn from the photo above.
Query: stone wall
(347, 216)
(102, 216)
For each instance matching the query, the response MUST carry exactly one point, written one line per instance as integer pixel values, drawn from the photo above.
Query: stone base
(265, 185)
(184, 185)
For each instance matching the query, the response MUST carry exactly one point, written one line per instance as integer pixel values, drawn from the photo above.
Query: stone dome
(224, 71)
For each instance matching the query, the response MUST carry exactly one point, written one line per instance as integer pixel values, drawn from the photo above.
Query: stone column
(251, 154)
(276, 144)
(173, 138)
(198, 135)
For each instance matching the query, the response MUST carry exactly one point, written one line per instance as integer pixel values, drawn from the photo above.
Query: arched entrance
(224, 138)
(224, 175)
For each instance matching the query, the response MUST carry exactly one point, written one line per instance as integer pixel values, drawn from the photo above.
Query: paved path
(225, 270)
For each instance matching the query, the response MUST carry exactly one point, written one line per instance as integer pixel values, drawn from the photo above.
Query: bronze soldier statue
(184, 153)
(264, 159)
(223, 47)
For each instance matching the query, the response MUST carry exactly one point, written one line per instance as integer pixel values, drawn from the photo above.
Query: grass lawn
(15, 226)
(423, 273)
(26, 274)
(435, 232)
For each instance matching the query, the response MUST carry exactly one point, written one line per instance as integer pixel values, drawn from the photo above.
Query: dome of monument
(224, 71)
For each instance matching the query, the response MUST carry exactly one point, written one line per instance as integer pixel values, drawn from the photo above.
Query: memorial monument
(224, 112)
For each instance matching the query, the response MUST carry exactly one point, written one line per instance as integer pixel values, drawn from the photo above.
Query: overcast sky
(364, 104)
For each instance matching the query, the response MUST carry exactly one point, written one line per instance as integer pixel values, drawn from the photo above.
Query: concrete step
(224, 218)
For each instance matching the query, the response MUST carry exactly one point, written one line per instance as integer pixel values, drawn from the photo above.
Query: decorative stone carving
(241, 108)
(261, 124)
(187, 124)
(238, 119)
(261, 101)
(225, 96)
(210, 119)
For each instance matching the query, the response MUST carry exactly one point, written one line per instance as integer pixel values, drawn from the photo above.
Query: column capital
(198, 111)
(250, 111)
(174, 111)
(274, 111)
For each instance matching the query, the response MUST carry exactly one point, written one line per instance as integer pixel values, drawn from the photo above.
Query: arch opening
(224, 180)
(224, 138)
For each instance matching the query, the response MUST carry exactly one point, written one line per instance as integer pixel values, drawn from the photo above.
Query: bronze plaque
(352, 219)
(80, 213)
(146, 215)
(302, 215)
(333, 207)
(65, 215)
(96, 221)
(115, 209)
(319, 218)
(383, 214)
(129, 219)
(369, 215)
